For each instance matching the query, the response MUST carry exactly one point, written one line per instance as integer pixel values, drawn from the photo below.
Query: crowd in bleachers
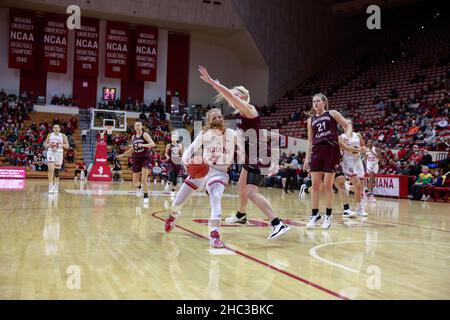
(23, 146)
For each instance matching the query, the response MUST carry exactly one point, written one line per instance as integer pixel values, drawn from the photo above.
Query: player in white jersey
(55, 143)
(373, 157)
(352, 165)
(219, 145)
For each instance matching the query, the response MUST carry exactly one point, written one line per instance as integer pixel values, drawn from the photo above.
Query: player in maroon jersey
(174, 152)
(140, 149)
(251, 175)
(323, 155)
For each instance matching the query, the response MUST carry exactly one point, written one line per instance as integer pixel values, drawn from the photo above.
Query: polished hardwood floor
(98, 241)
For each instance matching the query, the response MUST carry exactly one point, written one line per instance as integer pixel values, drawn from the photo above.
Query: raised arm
(243, 107)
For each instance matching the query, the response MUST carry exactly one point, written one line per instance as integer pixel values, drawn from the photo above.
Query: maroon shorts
(325, 157)
(175, 167)
(141, 162)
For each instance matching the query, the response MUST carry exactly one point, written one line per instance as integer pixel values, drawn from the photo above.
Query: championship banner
(100, 170)
(117, 45)
(86, 48)
(22, 39)
(146, 53)
(55, 43)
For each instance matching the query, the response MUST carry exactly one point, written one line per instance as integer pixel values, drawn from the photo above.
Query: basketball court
(97, 241)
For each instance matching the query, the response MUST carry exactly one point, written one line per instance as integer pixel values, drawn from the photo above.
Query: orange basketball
(197, 167)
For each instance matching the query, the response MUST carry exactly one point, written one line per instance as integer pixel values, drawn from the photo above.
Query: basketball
(197, 167)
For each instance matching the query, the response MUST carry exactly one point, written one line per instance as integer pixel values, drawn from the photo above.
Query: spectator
(70, 155)
(423, 179)
(117, 171)
(84, 133)
(81, 167)
(426, 158)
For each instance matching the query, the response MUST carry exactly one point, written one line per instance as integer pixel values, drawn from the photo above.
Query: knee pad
(56, 173)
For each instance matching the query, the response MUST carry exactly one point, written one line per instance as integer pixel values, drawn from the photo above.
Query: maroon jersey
(324, 129)
(245, 124)
(175, 154)
(139, 152)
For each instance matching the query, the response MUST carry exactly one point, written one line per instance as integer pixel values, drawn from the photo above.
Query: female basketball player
(174, 151)
(55, 143)
(140, 149)
(218, 145)
(352, 165)
(251, 176)
(373, 157)
(322, 155)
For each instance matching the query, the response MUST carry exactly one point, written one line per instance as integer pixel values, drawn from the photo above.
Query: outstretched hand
(204, 75)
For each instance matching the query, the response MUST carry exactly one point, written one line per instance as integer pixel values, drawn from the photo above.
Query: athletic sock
(329, 211)
(346, 206)
(240, 214)
(275, 222)
(315, 212)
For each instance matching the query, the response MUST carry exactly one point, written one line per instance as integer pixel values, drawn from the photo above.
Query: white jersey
(371, 156)
(55, 152)
(353, 142)
(218, 148)
(372, 161)
(352, 164)
(56, 142)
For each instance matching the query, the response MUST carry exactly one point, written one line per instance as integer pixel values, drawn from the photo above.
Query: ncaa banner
(117, 47)
(55, 43)
(22, 39)
(86, 48)
(146, 53)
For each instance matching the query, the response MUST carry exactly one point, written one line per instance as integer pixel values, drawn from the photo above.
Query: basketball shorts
(214, 176)
(254, 175)
(141, 162)
(353, 167)
(372, 167)
(56, 157)
(325, 157)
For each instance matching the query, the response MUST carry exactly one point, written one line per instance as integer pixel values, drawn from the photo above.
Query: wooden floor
(97, 241)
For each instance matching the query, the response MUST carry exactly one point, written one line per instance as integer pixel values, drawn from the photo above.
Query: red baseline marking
(293, 276)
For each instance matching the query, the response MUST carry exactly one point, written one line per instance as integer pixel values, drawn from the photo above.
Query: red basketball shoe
(214, 240)
(170, 223)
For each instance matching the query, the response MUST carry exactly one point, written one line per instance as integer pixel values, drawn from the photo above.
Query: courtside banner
(55, 43)
(13, 173)
(390, 185)
(117, 47)
(146, 53)
(22, 39)
(86, 48)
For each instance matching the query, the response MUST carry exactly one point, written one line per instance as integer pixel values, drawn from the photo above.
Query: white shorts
(372, 167)
(353, 167)
(55, 156)
(213, 177)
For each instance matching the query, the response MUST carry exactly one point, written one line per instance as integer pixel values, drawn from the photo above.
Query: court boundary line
(265, 264)
(313, 250)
